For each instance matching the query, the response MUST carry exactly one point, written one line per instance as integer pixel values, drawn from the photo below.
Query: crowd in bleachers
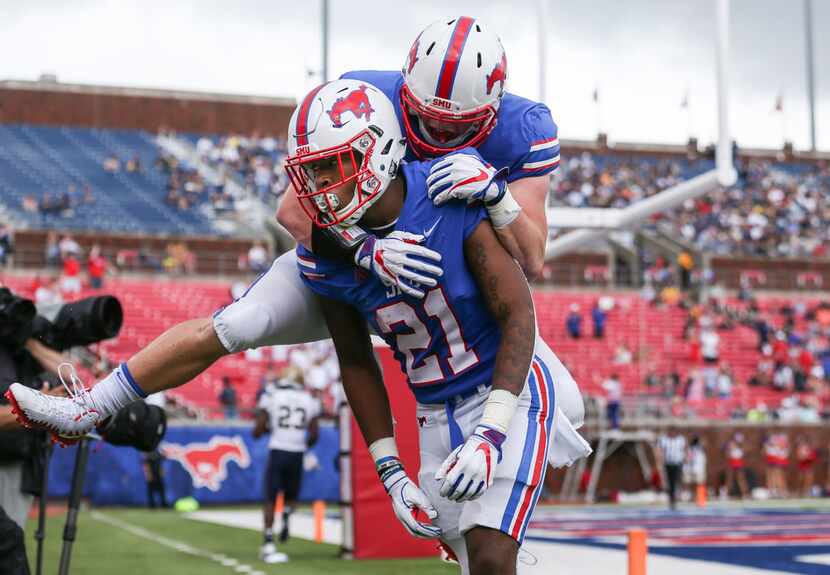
(778, 211)
(257, 161)
(775, 209)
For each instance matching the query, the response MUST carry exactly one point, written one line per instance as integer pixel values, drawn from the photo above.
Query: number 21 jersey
(446, 342)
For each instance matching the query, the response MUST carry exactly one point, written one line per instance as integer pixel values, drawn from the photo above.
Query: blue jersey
(446, 343)
(525, 139)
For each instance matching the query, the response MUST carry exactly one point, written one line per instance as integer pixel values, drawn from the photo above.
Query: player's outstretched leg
(491, 552)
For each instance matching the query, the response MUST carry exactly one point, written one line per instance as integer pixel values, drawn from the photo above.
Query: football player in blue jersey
(481, 376)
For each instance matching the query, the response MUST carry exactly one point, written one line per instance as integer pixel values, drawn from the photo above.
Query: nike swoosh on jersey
(428, 232)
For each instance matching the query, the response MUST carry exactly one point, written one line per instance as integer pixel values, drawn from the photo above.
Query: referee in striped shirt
(672, 450)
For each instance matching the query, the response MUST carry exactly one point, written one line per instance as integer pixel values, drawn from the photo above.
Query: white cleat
(68, 418)
(276, 558)
(267, 549)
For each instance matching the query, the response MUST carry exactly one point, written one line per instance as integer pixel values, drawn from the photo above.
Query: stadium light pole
(811, 80)
(325, 33)
(542, 20)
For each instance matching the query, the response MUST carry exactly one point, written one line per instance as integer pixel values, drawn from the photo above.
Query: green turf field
(115, 541)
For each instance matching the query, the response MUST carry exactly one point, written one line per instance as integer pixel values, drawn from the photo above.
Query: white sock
(115, 391)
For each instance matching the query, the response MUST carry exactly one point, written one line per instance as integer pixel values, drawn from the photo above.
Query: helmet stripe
(302, 117)
(450, 66)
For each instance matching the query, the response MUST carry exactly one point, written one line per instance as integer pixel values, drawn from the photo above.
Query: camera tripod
(70, 528)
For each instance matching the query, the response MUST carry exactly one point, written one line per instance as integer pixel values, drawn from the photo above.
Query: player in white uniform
(291, 414)
(279, 309)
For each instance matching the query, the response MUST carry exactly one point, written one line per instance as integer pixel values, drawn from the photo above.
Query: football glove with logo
(407, 498)
(467, 177)
(470, 468)
(399, 260)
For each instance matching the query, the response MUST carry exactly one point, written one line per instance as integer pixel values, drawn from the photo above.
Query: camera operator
(22, 452)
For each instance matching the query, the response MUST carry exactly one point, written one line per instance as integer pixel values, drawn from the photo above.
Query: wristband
(383, 448)
(504, 211)
(499, 410)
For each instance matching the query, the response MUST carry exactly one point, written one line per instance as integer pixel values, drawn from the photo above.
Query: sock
(115, 391)
(269, 535)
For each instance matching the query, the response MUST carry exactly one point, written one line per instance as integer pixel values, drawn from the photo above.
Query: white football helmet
(454, 78)
(354, 124)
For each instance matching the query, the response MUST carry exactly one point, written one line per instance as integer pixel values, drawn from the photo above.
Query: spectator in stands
(623, 355)
(725, 382)
(227, 399)
(686, 265)
(29, 204)
(6, 243)
(48, 293)
(134, 164)
(672, 453)
(613, 397)
(806, 456)
(69, 247)
(88, 197)
(599, 317)
(573, 322)
(112, 164)
(96, 267)
(52, 251)
(71, 277)
(710, 345)
(258, 257)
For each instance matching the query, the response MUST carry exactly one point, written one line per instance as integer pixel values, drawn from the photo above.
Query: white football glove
(398, 259)
(464, 177)
(407, 499)
(470, 468)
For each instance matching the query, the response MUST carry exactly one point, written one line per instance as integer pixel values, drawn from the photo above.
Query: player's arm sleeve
(359, 371)
(537, 145)
(506, 294)
(326, 245)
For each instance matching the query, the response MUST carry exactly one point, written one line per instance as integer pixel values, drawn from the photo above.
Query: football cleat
(68, 419)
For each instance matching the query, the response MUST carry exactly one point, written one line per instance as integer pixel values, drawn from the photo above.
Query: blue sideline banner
(214, 464)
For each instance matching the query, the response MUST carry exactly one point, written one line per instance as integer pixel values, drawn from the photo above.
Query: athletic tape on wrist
(383, 448)
(499, 410)
(504, 211)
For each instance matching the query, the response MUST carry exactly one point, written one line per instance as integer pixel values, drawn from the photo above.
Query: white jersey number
(434, 305)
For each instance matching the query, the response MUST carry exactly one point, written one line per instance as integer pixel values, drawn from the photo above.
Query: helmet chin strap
(458, 140)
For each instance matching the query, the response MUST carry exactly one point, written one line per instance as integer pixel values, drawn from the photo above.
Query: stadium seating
(38, 160)
(152, 306)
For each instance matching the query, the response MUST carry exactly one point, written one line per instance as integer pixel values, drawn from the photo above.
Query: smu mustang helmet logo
(207, 463)
(356, 102)
(499, 74)
(413, 54)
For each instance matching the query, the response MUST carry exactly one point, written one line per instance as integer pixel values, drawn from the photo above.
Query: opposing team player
(451, 94)
(480, 374)
(291, 415)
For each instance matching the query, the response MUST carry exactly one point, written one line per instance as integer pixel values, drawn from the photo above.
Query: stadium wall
(55, 104)
(621, 472)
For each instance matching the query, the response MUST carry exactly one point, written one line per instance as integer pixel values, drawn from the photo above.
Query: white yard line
(232, 564)
(302, 523)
